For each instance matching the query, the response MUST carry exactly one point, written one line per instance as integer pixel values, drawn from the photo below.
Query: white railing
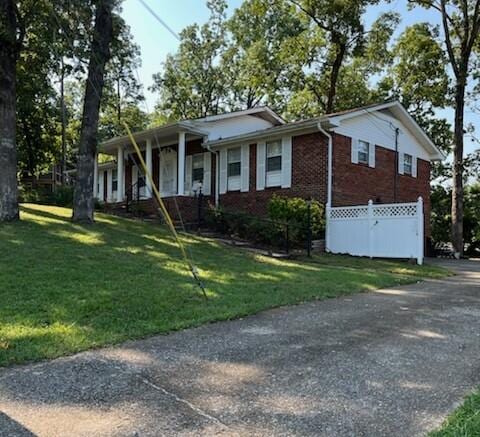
(394, 230)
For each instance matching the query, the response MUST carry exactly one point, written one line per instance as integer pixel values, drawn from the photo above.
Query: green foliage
(192, 82)
(441, 199)
(62, 196)
(244, 226)
(295, 212)
(464, 422)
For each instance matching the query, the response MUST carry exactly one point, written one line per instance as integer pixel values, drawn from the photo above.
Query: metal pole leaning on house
(166, 215)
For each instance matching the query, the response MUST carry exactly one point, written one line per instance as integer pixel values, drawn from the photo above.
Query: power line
(157, 17)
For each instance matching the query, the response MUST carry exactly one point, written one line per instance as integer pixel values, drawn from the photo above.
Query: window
(234, 164)
(197, 169)
(114, 180)
(274, 164)
(363, 151)
(407, 164)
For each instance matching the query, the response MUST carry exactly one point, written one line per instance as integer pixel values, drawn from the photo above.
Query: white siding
(234, 126)
(377, 129)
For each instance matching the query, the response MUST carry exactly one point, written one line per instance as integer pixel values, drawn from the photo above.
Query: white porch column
(148, 161)
(95, 176)
(120, 175)
(181, 164)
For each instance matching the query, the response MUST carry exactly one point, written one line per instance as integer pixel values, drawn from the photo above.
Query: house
(46, 181)
(240, 159)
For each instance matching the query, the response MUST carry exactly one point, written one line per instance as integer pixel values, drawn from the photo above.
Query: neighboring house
(241, 159)
(47, 181)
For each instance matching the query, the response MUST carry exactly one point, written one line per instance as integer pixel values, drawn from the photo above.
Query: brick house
(241, 159)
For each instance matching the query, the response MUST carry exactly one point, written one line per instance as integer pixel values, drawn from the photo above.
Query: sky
(156, 42)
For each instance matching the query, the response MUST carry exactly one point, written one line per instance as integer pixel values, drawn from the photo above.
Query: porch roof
(163, 136)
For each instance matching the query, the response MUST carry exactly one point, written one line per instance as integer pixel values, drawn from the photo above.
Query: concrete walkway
(393, 362)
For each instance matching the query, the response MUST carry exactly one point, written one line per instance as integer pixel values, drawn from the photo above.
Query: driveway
(390, 362)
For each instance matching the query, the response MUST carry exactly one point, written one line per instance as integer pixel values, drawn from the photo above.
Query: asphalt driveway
(391, 362)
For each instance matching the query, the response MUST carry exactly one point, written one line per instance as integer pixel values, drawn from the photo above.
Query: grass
(66, 287)
(465, 421)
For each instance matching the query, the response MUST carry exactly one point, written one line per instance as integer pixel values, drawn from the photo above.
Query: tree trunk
(337, 64)
(8, 75)
(457, 189)
(83, 201)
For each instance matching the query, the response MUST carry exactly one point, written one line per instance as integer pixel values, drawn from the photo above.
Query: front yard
(66, 288)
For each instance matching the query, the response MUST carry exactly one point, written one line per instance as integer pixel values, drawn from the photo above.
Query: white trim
(223, 171)
(245, 168)
(371, 154)
(261, 158)
(354, 151)
(401, 162)
(414, 166)
(207, 173)
(286, 162)
(181, 164)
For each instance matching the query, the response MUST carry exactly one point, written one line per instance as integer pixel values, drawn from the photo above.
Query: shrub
(294, 211)
(63, 196)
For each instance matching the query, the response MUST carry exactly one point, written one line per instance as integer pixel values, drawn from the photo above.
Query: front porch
(173, 155)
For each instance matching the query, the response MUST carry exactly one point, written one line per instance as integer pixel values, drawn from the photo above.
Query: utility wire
(157, 17)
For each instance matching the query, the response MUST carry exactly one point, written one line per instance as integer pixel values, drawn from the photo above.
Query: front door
(168, 172)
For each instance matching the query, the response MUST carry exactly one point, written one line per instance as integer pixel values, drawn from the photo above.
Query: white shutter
(223, 172)
(245, 172)
(400, 162)
(414, 166)
(188, 175)
(207, 173)
(261, 157)
(354, 150)
(371, 155)
(286, 162)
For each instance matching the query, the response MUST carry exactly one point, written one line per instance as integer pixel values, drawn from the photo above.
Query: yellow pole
(165, 213)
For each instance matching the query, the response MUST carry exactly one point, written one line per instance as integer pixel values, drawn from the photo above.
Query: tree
(192, 83)
(83, 202)
(341, 22)
(122, 91)
(418, 78)
(253, 64)
(11, 36)
(461, 26)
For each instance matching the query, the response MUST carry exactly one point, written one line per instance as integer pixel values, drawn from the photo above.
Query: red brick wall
(356, 184)
(309, 176)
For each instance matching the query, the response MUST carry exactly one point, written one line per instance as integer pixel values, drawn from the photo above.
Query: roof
(333, 120)
(165, 131)
(264, 112)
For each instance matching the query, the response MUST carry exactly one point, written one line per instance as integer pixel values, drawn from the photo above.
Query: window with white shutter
(234, 168)
(274, 164)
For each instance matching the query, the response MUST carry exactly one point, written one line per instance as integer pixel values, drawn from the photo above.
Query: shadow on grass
(66, 287)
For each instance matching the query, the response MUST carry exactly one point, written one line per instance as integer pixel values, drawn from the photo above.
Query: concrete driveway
(391, 362)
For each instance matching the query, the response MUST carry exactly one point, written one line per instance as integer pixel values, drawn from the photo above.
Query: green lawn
(66, 287)
(464, 422)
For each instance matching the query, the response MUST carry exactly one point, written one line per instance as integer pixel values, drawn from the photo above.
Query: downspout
(395, 170)
(330, 164)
